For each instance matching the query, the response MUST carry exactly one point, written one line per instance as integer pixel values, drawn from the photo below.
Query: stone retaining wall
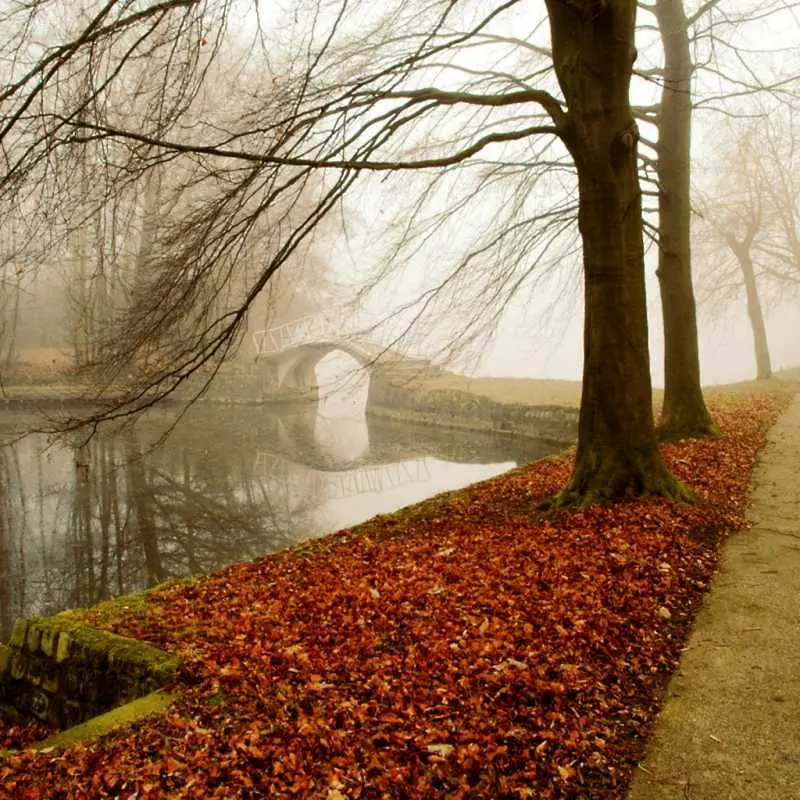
(471, 411)
(400, 397)
(60, 673)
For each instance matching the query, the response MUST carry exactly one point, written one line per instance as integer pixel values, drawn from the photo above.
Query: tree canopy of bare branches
(316, 103)
(747, 226)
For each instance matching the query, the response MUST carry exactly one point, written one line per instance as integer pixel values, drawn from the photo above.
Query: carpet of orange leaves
(471, 648)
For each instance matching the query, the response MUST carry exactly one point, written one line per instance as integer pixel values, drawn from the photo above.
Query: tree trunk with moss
(617, 454)
(684, 412)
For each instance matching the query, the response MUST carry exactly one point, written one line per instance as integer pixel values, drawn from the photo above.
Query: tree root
(598, 493)
(670, 433)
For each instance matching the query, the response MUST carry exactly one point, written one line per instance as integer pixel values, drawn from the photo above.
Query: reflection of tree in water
(212, 509)
(12, 526)
(133, 518)
(84, 521)
(177, 511)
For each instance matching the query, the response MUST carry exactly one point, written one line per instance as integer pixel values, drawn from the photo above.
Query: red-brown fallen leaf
(17, 737)
(477, 651)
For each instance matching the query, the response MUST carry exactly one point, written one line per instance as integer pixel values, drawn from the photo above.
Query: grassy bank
(467, 647)
(532, 391)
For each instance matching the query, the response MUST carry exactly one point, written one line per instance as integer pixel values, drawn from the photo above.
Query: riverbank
(468, 646)
(539, 409)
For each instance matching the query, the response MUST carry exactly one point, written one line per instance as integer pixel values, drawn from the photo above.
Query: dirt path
(730, 727)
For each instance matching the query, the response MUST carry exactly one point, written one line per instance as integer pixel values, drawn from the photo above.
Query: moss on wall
(61, 672)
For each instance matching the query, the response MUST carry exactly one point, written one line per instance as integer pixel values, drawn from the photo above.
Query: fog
(509, 311)
(528, 347)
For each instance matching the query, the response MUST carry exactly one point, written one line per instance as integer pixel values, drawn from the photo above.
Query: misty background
(66, 277)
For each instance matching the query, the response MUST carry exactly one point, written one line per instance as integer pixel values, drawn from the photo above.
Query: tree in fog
(365, 91)
(748, 226)
(14, 280)
(684, 411)
(698, 69)
(771, 163)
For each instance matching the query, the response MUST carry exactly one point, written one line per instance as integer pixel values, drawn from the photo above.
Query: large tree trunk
(684, 413)
(593, 49)
(754, 311)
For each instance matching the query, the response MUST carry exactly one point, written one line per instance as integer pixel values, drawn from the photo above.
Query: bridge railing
(312, 327)
(327, 327)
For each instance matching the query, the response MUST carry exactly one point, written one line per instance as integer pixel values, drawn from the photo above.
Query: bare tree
(684, 410)
(616, 448)
(775, 155)
(15, 278)
(748, 222)
(696, 67)
(352, 104)
(700, 44)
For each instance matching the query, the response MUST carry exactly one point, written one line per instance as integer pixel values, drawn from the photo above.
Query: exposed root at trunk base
(686, 421)
(584, 490)
(675, 431)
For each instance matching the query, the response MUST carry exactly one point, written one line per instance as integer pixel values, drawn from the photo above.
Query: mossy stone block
(33, 638)
(64, 647)
(17, 667)
(50, 681)
(49, 642)
(19, 633)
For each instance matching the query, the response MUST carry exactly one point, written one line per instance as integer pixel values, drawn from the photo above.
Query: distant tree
(12, 280)
(773, 151)
(700, 44)
(749, 229)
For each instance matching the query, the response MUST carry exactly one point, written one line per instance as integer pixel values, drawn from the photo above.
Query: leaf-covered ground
(467, 648)
(20, 736)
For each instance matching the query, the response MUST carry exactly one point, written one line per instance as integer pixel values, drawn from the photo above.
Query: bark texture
(617, 455)
(684, 412)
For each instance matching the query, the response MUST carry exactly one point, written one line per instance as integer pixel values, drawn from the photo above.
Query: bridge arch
(289, 355)
(295, 368)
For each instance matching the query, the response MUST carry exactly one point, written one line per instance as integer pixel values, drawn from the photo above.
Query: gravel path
(730, 727)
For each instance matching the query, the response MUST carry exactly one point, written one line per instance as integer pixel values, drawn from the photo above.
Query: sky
(725, 341)
(541, 337)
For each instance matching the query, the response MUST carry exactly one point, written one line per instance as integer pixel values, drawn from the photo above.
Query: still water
(81, 522)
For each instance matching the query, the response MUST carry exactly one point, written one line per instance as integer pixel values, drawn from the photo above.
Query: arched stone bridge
(288, 355)
(284, 370)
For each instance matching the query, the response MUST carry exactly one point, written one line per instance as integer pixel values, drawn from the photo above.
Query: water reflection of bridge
(322, 444)
(302, 480)
(75, 529)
